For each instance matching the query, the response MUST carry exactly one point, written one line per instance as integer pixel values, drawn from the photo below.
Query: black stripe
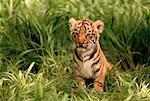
(75, 30)
(96, 62)
(97, 70)
(74, 60)
(91, 55)
(77, 68)
(91, 24)
(85, 28)
(80, 77)
(77, 55)
(86, 24)
(80, 23)
(97, 56)
(76, 64)
(99, 83)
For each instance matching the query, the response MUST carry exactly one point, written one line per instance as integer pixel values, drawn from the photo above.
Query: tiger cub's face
(85, 33)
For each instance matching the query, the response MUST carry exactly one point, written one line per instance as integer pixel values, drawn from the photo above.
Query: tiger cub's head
(85, 33)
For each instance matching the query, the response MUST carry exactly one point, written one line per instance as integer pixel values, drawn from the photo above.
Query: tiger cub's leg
(99, 81)
(80, 81)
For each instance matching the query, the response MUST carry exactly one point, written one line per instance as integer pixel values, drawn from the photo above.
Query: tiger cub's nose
(82, 37)
(81, 42)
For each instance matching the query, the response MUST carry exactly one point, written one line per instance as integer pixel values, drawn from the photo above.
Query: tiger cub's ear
(98, 26)
(72, 22)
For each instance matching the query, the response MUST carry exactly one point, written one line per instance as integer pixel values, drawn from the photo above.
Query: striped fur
(89, 61)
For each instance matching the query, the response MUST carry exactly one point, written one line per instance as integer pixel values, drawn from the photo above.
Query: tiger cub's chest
(85, 64)
(86, 69)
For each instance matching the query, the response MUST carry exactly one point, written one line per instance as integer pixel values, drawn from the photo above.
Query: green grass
(35, 49)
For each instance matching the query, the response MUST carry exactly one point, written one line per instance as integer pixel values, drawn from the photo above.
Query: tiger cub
(89, 60)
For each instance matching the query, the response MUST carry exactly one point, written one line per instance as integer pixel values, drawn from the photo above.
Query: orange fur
(88, 58)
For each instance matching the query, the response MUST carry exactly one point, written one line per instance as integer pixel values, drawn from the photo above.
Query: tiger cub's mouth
(85, 47)
(81, 46)
(81, 49)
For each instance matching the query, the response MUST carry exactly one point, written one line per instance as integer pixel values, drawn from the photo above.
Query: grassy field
(35, 49)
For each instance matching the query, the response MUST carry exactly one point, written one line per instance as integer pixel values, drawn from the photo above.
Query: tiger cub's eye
(75, 34)
(88, 33)
(90, 37)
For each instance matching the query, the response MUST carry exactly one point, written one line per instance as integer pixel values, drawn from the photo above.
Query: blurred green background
(36, 47)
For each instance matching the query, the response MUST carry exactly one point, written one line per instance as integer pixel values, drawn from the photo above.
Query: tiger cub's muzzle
(81, 45)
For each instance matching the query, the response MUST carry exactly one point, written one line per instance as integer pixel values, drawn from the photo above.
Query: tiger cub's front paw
(99, 87)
